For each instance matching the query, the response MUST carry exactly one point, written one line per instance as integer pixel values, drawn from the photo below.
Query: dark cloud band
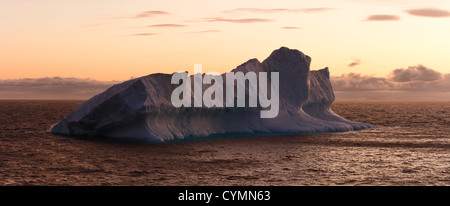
(414, 78)
(249, 20)
(415, 73)
(150, 14)
(52, 88)
(429, 12)
(382, 17)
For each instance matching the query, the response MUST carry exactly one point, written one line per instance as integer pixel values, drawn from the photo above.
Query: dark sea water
(410, 146)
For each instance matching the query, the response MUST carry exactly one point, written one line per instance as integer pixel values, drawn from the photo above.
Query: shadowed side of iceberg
(141, 108)
(320, 98)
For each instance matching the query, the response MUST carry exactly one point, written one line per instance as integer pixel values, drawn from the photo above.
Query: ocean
(409, 146)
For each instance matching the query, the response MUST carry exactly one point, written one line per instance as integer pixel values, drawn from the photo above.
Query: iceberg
(141, 108)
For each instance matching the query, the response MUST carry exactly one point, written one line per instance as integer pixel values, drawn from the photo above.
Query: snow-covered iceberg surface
(141, 108)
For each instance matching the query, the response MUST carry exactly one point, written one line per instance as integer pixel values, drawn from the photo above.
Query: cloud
(52, 88)
(167, 25)
(145, 34)
(204, 31)
(413, 79)
(279, 10)
(429, 12)
(415, 73)
(55, 81)
(354, 63)
(315, 10)
(358, 82)
(150, 14)
(291, 27)
(250, 20)
(382, 17)
(351, 85)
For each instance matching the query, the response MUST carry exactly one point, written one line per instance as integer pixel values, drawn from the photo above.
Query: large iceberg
(141, 108)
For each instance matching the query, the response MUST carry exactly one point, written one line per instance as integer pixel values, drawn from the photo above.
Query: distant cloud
(150, 14)
(315, 10)
(145, 34)
(204, 31)
(358, 82)
(354, 63)
(415, 73)
(57, 81)
(382, 17)
(52, 88)
(429, 12)
(250, 20)
(347, 85)
(278, 10)
(167, 25)
(291, 27)
(415, 78)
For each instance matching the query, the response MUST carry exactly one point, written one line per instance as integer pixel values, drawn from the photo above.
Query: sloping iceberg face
(142, 109)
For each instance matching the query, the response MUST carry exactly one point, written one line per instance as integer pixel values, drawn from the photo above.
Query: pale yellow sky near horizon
(105, 39)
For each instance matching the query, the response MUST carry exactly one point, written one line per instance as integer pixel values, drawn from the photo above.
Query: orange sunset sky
(109, 40)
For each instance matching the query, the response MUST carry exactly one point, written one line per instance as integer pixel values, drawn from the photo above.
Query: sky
(400, 45)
